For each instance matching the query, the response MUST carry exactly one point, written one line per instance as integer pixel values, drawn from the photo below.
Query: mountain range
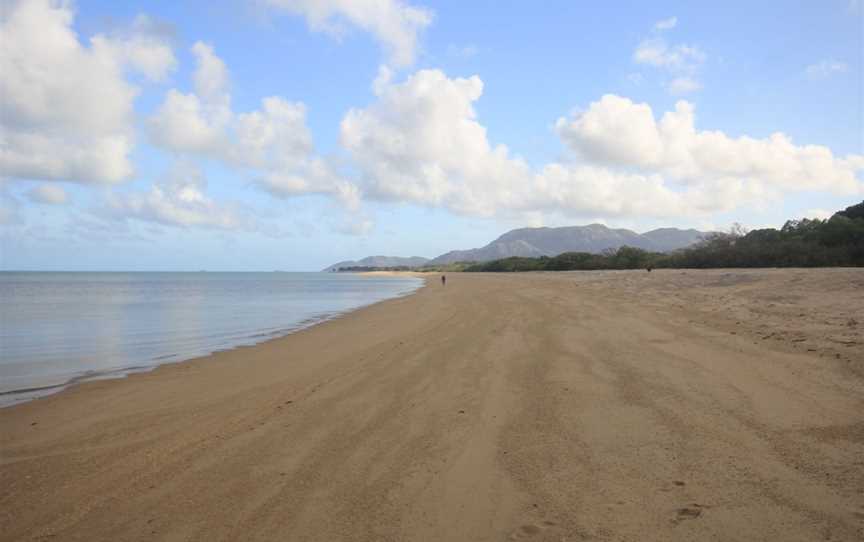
(534, 242)
(380, 261)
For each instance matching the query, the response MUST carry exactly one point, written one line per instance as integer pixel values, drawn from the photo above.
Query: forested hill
(532, 242)
(837, 241)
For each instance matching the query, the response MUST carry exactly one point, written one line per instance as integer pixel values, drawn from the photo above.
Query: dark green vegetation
(837, 241)
(533, 243)
(368, 268)
(443, 268)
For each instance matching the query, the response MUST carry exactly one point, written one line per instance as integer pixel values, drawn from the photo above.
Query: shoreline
(548, 406)
(13, 397)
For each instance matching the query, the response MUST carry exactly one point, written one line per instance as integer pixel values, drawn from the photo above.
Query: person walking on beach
(443, 280)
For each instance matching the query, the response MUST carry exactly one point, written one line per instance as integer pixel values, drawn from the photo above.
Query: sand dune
(672, 405)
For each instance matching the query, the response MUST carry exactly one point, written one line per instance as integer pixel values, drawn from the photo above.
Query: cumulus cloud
(180, 200)
(317, 178)
(66, 108)
(197, 122)
(272, 144)
(586, 190)
(394, 23)
(49, 194)
(185, 124)
(211, 74)
(421, 143)
(825, 69)
(615, 131)
(144, 46)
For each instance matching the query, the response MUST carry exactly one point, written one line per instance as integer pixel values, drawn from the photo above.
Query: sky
(291, 134)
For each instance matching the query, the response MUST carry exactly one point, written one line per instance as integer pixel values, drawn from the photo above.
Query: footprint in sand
(676, 483)
(531, 530)
(688, 512)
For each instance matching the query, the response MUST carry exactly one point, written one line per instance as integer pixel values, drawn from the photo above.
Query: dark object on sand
(648, 269)
(443, 280)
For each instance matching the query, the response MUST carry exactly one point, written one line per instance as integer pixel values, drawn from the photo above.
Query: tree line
(369, 268)
(836, 241)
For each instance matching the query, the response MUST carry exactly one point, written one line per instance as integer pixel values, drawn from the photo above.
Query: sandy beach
(671, 405)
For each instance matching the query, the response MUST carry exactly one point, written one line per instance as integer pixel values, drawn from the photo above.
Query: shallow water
(56, 328)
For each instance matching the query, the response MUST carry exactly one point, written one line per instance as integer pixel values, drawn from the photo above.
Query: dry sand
(672, 405)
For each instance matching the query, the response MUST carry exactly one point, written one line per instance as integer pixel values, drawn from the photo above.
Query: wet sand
(672, 405)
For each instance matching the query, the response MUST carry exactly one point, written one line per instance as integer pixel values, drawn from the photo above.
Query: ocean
(61, 328)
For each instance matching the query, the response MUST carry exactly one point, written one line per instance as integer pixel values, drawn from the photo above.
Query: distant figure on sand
(443, 280)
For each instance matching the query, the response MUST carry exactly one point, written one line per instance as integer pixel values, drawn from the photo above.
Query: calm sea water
(57, 328)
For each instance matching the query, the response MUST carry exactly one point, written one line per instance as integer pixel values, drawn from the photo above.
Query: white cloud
(821, 214)
(656, 52)
(586, 190)
(273, 143)
(683, 85)
(825, 68)
(681, 62)
(211, 74)
(49, 194)
(394, 23)
(421, 143)
(143, 46)
(66, 108)
(384, 77)
(197, 122)
(184, 123)
(316, 177)
(666, 24)
(613, 131)
(618, 132)
(357, 226)
(179, 200)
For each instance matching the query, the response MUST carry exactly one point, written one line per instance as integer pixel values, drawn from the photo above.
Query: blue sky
(137, 135)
